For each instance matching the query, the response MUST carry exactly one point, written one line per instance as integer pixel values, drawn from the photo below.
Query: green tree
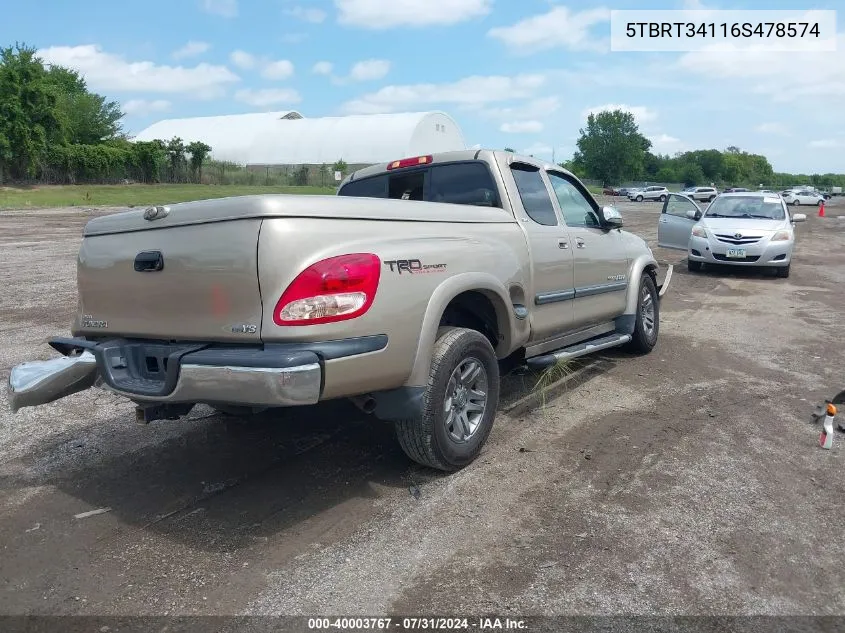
(340, 166)
(611, 147)
(199, 151)
(176, 156)
(84, 117)
(27, 112)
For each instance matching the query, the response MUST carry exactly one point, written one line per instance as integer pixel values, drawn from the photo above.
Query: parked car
(804, 196)
(740, 229)
(648, 193)
(611, 191)
(406, 293)
(707, 194)
(736, 190)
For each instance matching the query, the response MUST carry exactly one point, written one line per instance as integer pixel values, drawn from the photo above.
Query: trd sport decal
(413, 266)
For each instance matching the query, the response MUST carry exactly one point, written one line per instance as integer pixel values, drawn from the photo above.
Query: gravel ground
(685, 482)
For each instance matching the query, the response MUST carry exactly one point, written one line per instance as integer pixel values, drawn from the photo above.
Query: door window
(534, 194)
(678, 206)
(576, 209)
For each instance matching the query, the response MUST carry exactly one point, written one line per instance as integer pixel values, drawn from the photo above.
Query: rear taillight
(333, 289)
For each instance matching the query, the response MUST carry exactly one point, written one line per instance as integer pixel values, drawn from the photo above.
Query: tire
(644, 337)
(795, 203)
(639, 198)
(783, 271)
(662, 198)
(711, 198)
(820, 203)
(692, 266)
(432, 440)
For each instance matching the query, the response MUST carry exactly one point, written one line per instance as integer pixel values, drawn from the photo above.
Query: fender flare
(636, 272)
(509, 330)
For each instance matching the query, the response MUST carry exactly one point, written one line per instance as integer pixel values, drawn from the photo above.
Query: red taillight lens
(333, 289)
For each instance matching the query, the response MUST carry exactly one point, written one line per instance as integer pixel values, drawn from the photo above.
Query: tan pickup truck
(409, 292)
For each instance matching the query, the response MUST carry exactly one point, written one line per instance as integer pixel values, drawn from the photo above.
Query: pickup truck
(409, 293)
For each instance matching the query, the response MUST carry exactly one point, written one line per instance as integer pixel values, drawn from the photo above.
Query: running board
(581, 349)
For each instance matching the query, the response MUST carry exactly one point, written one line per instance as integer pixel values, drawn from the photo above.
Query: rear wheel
(662, 198)
(711, 198)
(459, 404)
(692, 266)
(795, 203)
(647, 326)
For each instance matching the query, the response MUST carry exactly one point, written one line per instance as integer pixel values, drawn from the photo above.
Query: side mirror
(612, 218)
(799, 217)
(692, 215)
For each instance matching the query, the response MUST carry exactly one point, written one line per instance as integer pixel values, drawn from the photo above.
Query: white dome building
(288, 138)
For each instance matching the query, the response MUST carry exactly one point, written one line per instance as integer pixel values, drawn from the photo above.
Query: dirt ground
(685, 482)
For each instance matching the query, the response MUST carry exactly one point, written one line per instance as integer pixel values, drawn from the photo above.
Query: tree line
(611, 149)
(54, 130)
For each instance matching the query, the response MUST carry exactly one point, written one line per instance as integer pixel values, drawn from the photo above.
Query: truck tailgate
(190, 282)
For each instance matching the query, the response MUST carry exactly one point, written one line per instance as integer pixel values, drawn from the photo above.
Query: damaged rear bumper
(153, 372)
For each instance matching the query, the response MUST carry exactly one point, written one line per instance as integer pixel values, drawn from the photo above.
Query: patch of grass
(551, 375)
(133, 195)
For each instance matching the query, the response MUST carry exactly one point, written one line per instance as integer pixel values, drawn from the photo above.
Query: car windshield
(760, 207)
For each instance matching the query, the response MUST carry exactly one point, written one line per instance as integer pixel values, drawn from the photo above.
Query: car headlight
(782, 236)
(699, 231)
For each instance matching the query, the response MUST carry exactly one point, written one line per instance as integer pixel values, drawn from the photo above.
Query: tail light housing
(331, 290)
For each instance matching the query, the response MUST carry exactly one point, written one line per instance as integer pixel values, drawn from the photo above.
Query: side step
(581, 349)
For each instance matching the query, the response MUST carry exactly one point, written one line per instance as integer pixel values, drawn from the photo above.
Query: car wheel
(662, 198)
(783, 271)
(693, 266)
(820, 202)
(711, 198)
(459, 404)
(647, 325)
(795, 203)
(639, 198)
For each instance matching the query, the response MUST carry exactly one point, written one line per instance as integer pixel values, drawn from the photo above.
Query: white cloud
(828, 143)
(369, 70)
(268, 96)
(783, 76)
(664, 144)
(323, 68)
(243, 60)
(315, 16)
(386, 14)
(191, 49)
(772, 128)
(558, 28)
(141, 107)
(281, 69)
(293, 38)
(642, 114)
(112, 73)
(532, 109)
(475, 90)
(224, 8)
(522, 127)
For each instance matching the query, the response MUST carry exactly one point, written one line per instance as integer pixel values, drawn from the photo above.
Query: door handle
(149, 261)
(579, 243)
(562, 244)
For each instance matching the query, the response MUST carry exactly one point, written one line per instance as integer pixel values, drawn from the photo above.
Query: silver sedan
(748, 228)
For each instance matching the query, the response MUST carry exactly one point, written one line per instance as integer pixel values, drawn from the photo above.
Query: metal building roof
(287, 138)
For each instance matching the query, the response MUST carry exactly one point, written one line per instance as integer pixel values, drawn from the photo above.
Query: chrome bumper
(42, 381)
(39, 382)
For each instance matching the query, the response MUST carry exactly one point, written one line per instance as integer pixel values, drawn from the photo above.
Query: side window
(373, 187)
(463, 183)
(678, 206)
(534, 195)
(576, 209)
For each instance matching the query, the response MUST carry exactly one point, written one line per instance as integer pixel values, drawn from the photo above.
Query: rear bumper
(278, 375)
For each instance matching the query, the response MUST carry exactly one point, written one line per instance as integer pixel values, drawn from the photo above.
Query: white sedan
(802, 197)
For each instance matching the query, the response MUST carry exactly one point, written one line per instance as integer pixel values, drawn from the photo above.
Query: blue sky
(518, 74)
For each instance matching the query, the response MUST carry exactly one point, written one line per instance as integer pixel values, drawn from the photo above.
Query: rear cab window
(466, 182)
